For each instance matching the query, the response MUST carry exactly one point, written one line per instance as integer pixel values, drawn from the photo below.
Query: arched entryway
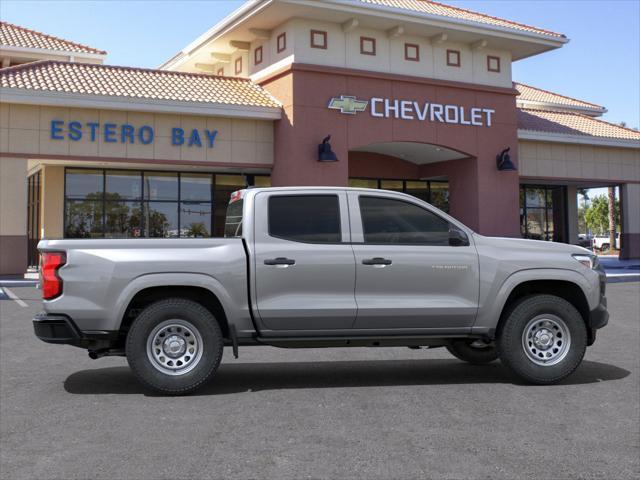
(436, 174)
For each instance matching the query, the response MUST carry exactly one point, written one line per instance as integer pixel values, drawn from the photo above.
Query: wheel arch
(565, 289)
(147, 289)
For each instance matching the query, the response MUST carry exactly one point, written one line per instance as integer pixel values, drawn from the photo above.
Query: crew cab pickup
(322, 267)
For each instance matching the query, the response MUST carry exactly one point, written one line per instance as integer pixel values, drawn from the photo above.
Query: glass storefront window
(83, 219)
(160, 186)
(542, 212)
(394, 185)
(417, 189)
(84, 184)
(123, 219)
(363, 183)
(195, 219)
(161, 220)
(123, 185)
(135, 204)
(439, 195)
(436, 192)
(196, 187)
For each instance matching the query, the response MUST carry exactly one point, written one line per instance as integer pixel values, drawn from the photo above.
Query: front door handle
(279, 261)
(376, 261)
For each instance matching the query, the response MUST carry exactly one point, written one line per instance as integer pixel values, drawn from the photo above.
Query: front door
(414, 268)
(304, 266)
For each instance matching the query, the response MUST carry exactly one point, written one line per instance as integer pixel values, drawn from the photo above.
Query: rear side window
(388, 221)
(305, 218)
(233, 221)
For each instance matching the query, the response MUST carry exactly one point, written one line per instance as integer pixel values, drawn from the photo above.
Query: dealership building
(415, 96)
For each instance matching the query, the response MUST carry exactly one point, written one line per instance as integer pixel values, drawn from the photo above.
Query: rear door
(414, 268)
(304, 264)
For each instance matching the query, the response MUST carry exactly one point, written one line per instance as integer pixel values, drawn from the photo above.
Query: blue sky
(600, 64)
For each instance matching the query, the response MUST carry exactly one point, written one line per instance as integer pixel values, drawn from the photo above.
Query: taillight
(51, 282)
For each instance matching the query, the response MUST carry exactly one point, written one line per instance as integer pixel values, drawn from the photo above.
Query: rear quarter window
(305, 218)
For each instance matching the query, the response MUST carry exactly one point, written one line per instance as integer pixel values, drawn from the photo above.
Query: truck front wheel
(543, 339)
(174, 346)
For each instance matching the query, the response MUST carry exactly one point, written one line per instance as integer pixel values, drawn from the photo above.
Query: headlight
(589, 261)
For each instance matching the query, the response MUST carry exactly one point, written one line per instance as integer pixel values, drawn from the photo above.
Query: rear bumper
(60, 329)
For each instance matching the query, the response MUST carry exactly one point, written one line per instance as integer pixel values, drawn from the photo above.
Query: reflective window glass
(305, 218)
(195, 219)
(161, 219)
(83, 219)
(389, 221)
(123, 220)
(160, 186)
(123, 185)
(84, 184)
(196, 187)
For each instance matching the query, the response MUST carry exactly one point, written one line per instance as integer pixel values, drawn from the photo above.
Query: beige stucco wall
(343, 50)
(13, 196)
(560, 160)
(51, 218)
(25, 129)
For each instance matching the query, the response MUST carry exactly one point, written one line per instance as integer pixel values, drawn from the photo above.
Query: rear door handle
(376, 261)
(279, 261)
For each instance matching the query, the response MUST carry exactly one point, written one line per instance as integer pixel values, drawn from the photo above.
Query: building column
(13, 216)
(572, 215)
(52, 203)
(630, 236)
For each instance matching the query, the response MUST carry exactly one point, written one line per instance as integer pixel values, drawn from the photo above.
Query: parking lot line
(14, 297)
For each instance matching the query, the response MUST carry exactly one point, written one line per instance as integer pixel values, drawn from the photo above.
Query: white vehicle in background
(602, 242)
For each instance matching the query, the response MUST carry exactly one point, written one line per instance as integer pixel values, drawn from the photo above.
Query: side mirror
(457, 238)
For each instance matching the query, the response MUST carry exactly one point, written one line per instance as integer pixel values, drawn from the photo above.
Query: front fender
(495, 299)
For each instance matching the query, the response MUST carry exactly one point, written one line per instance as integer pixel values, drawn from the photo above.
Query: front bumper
(60, 329)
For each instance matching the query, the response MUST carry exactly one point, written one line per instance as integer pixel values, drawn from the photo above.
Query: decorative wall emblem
(347, 104)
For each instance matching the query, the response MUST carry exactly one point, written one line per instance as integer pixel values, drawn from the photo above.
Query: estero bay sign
(126, 133)
(424, 111)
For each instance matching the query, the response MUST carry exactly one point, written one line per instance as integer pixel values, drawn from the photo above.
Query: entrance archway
(442, 176)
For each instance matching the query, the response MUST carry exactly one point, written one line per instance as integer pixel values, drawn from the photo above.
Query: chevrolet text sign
(423, 111)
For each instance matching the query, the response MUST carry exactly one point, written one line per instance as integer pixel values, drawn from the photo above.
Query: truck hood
(531, 245)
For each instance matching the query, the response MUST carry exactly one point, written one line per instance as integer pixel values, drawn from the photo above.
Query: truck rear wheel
(174, 346)
(543, 339)
(476, 352)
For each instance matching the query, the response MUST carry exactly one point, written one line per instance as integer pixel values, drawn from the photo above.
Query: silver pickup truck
(308, 267)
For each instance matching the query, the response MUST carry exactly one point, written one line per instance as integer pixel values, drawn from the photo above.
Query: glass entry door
(543, 212)
(33, 219)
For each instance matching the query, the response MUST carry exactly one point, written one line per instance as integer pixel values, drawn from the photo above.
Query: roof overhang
(108, 102)
(539, 136)
(591, 111)
(26, 51)
(268, 14)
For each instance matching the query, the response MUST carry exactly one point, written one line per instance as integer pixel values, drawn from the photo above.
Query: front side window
(305, 218)
(389, 221)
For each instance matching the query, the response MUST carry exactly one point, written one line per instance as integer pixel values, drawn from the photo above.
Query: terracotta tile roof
(533, 94)
(137, 83)
(16, 36)
(568, 123)
(434, 8)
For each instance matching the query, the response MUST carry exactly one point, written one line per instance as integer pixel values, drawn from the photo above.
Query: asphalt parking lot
(323, 413)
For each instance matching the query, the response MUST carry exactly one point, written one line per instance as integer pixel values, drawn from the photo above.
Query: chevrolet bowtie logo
(348, 105)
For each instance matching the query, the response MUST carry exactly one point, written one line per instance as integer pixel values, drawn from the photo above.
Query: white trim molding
(44, 51)
(73, 100)
(579, 139)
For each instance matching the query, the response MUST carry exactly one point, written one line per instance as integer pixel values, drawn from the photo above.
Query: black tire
(516, 352)
(465, 351)
(210, 344)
